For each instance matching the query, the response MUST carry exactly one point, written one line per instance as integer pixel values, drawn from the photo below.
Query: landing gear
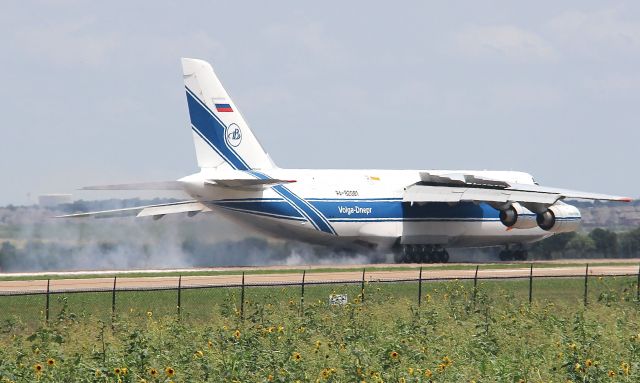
(514, 254)
(421, 254)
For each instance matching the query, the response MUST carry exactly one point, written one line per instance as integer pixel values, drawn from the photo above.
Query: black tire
(445, 256)
(521, 255)
(505, 255)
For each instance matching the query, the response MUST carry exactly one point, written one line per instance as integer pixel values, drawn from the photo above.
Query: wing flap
(424, 193)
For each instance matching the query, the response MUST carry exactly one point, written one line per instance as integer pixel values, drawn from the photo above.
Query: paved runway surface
(156, 282)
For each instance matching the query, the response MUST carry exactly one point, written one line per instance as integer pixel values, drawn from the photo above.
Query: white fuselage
(360, 208)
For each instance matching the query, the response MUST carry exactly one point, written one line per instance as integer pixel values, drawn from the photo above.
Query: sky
(92, 92)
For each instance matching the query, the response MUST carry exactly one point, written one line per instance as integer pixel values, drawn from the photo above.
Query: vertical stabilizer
(221, 135)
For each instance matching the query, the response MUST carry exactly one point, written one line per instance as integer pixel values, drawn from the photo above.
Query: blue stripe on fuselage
(357, 210)
(305, 208)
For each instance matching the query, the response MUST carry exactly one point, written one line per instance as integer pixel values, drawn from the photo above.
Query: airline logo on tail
(234, 135)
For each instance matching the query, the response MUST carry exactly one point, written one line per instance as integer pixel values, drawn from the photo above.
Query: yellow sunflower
(296, 356)
(153, 372)
(169, 371)
(394, 355)
(51, 362)
(37, 367)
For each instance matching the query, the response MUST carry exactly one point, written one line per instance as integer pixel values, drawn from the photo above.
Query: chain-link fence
(195, 301)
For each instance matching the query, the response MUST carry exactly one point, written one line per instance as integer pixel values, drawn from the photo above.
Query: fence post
(420, 287)
(46, 308)
(362, 285)
(302, 294)
(638, 286)
(530, 283)
(475, 285)
(113, 299)
(586, 283)
(242, 298)
(179, 295)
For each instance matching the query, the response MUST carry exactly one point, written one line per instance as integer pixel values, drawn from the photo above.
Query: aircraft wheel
(521, 255)
(444, 256)
(506, 255)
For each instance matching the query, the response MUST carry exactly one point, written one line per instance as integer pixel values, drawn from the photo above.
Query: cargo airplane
(418, 214)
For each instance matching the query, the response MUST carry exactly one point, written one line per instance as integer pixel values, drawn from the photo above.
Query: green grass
(383, 335)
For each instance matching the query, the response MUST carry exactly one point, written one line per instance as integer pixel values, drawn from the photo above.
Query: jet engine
(518, 217)
(559, 218)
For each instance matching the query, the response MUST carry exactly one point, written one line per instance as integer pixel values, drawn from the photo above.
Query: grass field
(381, 336)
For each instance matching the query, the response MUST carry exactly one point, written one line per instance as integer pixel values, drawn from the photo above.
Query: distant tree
(606, 242)
(8, 253)
(580, 246)
(549, 247)
(630, 243)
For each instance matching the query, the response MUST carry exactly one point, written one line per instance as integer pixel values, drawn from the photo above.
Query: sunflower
(394, 355)
(611, 373)
(51, 362)
(237, 334)
(588, 362)
(428, 373)
(153, 372)
(625, 367)
(296, 356)
(198, 354)
(37, 367)
(169, 371)
(117, 371)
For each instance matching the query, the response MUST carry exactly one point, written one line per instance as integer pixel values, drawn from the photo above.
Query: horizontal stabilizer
(163, 185)
(144, 211)
(247, 183)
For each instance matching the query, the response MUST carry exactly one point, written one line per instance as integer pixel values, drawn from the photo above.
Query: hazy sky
(92, 92)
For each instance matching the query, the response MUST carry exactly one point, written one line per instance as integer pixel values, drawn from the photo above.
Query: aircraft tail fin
(221, 135)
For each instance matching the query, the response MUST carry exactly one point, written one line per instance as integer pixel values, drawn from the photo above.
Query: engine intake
(518, 217)
(559, 218)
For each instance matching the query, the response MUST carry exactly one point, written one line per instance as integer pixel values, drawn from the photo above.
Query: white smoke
(46, 244)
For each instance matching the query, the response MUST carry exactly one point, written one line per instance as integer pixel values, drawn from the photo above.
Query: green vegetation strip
(255, 271)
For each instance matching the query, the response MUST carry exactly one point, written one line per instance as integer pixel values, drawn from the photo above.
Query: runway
(279, 275)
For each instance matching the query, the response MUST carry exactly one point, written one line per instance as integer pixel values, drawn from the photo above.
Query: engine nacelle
(518, 217)
(559, 218)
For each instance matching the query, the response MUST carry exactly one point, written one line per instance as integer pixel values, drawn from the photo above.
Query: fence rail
(177, 284)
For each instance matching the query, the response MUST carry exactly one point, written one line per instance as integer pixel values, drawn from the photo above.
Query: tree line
(598, 243)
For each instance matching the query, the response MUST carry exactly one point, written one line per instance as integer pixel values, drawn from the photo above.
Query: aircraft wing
(156, 211)
(469, 188)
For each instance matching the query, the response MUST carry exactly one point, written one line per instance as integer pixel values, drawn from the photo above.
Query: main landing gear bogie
(421, 254)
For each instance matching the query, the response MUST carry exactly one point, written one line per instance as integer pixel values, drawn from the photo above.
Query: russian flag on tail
(224, 108)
